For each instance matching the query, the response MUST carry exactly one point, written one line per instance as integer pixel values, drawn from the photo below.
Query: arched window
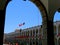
(56, 26)
(18, 12)
(22, 14)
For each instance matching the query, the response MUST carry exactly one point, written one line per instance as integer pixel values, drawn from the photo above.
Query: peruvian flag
(21, 24)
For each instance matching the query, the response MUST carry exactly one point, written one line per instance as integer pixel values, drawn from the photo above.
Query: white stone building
(33, 35)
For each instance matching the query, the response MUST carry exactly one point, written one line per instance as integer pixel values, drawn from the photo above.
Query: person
(16, 43)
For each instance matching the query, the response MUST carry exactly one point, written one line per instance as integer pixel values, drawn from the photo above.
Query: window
(21, 15)
(56, 27)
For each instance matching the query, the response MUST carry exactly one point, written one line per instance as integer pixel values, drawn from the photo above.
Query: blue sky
(19, 11)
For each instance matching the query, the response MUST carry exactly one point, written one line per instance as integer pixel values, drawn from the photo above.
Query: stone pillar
(57, 28)
(32, 41)
(57, 33)
(3, 4)
(29, 37)
(38, 41)
(38, 32)
(50, 32)
(32, 32)
(44, 38)
(35, 32)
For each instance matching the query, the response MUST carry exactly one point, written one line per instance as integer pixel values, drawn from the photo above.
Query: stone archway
(47, 18)
(44, 18)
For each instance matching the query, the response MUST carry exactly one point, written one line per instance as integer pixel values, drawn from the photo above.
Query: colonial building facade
(31, 36)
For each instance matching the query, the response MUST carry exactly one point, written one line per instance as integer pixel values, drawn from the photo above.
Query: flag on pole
(21, 24)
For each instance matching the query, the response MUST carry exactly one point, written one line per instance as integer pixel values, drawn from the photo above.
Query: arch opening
(30, 14)
(56, 27)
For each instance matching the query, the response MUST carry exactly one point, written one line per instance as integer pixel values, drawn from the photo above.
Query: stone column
(38, 32)
(50, 32)
(44, 38)
(38, 41)
(32, 32)
(35, 32)
(32, 35)
(57, 33)
(57, 28)
(29, 37)
(3, 5)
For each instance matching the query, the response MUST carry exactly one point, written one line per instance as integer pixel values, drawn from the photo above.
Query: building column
(3, 5)
(32, 35)
(38, 35)
(38, 41)
(44, 38)
(35, 33)
(32, 32)
(32, 41)
(57, 32)
(38, 32)
(50, 32)
(29, 37)
(57, 29)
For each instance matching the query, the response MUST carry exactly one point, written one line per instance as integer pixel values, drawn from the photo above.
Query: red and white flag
(21, 24)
